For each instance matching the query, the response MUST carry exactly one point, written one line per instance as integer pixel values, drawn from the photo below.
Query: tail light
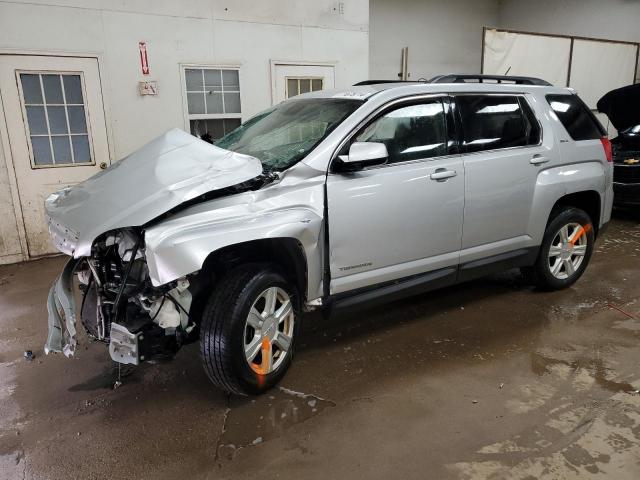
(606, 144)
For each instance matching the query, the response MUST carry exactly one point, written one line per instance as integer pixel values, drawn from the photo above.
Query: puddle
(253, 421)
(540, 365)
(108, 378)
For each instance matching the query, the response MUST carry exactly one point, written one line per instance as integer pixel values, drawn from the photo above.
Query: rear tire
(565, 251)
(247, 334)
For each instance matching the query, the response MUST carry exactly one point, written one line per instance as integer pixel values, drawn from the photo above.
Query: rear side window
(580, 123)
(411, 132)
(496, 121)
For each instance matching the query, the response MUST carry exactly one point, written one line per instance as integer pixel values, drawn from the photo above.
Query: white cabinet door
(56, 129)
(291, 80)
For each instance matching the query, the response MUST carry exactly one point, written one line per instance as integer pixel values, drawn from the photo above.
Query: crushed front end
(119, 305)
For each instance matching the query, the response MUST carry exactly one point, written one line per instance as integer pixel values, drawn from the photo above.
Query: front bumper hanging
(62, 313)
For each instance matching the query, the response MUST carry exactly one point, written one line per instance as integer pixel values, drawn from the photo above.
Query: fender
(179, 246)
(554, 183)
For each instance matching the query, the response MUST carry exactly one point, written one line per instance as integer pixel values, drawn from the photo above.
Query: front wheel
(248, 329)
(565, 251)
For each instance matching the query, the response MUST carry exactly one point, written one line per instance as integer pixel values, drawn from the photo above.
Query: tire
(228, 330)
(560, 268)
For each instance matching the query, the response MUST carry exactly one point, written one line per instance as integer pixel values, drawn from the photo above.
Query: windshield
(283, 135)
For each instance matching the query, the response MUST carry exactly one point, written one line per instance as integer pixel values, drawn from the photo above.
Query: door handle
(538, 160)
(442, 174)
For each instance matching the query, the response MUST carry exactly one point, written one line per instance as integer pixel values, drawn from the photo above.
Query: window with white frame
(298, 85)
(213, 101)
(56, 119)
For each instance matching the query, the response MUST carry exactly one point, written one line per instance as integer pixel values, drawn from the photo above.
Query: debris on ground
(474, 401)
(118, 384)
(501, 385)
(28, 355)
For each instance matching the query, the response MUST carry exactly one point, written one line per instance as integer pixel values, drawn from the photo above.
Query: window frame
(451, 129)
(521, 96)
(27, 128)
(207, 116)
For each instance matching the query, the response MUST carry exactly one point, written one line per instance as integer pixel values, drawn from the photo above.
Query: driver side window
(410, 132)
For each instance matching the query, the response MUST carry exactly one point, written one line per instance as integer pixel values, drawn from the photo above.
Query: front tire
(248, 330)
(565, 251)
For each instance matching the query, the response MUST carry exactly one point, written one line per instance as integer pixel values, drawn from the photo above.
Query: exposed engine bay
(121, 307)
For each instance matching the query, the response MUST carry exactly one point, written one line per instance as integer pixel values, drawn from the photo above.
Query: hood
(621, 106)
(168, 171)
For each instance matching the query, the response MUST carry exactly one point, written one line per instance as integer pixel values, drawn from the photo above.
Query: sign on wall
(144, 59)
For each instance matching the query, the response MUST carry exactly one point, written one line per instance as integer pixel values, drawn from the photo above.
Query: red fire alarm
(144, 60)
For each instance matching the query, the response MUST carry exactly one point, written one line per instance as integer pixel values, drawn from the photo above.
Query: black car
(622, 106)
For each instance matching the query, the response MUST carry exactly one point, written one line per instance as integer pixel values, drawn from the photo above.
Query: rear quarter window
(577, 119)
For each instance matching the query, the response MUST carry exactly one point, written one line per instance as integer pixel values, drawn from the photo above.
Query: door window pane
(61, 149)
(58, 131)
(81, 151)
(57, 120)
(410, 133)
(37, 121)
(31, 88)
(298, 85)
(73, 89)
(41, 150)
(491, 121)
(77, 119)
(52, 89)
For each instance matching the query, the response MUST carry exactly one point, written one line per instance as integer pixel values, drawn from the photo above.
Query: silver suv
(330, 199)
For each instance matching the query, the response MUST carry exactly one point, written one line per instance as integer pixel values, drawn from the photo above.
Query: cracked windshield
(281, 136)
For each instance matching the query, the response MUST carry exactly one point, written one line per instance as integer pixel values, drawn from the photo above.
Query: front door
(290, 80)
(402, 218)
(56, 128)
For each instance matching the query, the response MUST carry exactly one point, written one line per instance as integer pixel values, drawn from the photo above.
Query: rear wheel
(248, 329)
(565, 251)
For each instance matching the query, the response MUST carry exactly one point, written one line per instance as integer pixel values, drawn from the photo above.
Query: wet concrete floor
(490, 379)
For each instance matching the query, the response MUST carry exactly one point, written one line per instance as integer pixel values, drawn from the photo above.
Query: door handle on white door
(538, 160)
(442, 174)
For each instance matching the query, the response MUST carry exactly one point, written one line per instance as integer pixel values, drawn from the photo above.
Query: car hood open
(621, 106)
(168, 171)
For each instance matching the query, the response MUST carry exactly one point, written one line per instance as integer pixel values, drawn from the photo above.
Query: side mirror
(362, 154)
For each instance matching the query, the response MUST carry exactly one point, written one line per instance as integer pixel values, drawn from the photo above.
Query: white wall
(211, 32)
(610, 19)
(443, 36)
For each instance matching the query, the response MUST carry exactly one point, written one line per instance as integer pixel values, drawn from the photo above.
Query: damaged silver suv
(330, 199)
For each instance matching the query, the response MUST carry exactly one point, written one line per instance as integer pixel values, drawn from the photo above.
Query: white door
(56, 128)
(291, 80)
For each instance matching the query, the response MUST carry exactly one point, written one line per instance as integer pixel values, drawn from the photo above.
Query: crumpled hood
(622, 106)
(172, 169)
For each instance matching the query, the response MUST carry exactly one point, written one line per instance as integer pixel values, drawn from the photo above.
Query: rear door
(503, 155)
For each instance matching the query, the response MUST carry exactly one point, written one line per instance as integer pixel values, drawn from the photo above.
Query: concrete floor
(485, 380)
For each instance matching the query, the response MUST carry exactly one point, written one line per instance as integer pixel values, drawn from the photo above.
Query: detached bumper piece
(62, 313)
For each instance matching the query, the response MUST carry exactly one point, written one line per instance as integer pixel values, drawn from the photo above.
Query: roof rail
(375, 82)
(473, 78)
